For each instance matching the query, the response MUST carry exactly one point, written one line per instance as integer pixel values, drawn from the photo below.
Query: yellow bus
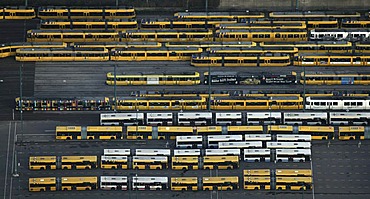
(163, 35)
(293, 183)
(42, 184)
(318, 132)
(245, 60)
(278, 129)
(244, 129)
(220, 183)
(154, 79)
(79, 183)
(256, 172)
(335, 78)
(86, 13)
(122, 24)
(220, 162)
(138, 132)
(257, 182)
(170, 132)
(209, 130)
(184, 183)
(185, 162)
(24, 13)
(315, 47)
(62, 54)
(149, 162)
(79, 162)
(113, 162)
(104, 132)
(68, 132)
(293, 172)
(351, 132)
(154, 54)
(257, 103)
(42, 162)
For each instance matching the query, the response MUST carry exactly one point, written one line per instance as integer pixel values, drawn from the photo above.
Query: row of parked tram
(129, 12)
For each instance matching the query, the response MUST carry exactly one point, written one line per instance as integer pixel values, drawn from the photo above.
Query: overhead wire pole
(296, 5)
(209, 88)
(21, 87)
(209, 71)
(115, 88)
(304, 87)
(207, 7)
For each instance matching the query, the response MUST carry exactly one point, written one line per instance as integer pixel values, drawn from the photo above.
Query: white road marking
(7, 161)
(13, 160)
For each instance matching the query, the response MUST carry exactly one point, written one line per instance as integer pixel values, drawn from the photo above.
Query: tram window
(159, 103)
(157, 54)
(357, 59)
(239, 103)
(199, 36)
(169, 36)
(142, 103)
(134, 36)
(223, 104)
(57, 36)
(308, 59)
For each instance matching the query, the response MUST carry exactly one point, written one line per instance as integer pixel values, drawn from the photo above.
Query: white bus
(153, 152)
(288, 145)
(213, 140)
(257, 155)
(189, 142)
(305, 118)
(186, 152)
(149, 183)
(229, 118)
(113, 182)
(223, 152)
(159, 119)
(292, 137)
(110, 119)
(257, 137)
(240, 145)
(261, 118)
(194, 118)
(117, 152)
(349, 118)
(295, 155)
